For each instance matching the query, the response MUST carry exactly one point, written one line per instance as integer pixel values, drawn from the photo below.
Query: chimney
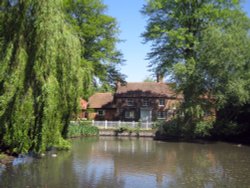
(117, 84)
(159, 78)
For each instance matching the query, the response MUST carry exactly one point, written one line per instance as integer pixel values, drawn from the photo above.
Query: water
(123, 162)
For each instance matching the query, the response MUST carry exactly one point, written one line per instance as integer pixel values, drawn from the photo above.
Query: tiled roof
(145, 89)
(101, 100)
(83, 104)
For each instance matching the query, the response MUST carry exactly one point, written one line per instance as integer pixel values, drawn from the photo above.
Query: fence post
(93, 122)
(119, 123)
(133, 123)
(147, 125)
(106, 124)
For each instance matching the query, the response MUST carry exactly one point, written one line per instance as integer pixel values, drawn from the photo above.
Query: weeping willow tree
(41, 75)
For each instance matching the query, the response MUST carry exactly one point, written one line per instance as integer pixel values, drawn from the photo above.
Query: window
(100, 112)
(161, 102)
(130, 114)
(161, 115)
(130, 102)
(145, 102)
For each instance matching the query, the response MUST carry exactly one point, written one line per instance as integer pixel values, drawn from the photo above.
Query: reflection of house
(145, 101)
(127, 155)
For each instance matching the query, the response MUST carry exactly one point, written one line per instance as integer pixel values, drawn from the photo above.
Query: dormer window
(130, 102)
(161, 102)
(145, 102)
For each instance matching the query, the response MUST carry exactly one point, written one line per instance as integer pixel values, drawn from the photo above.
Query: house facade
(101, 107)
(135, 101)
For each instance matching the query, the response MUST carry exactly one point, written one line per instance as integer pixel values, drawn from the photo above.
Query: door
(146, 114)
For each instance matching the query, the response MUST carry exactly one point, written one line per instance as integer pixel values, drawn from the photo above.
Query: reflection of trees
(179, 164)
(212, 165)
(114, 162)
(47, 172)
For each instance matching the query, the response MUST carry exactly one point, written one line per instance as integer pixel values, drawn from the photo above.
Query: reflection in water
(125, 162)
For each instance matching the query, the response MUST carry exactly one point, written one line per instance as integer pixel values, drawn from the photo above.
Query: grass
(82, 129)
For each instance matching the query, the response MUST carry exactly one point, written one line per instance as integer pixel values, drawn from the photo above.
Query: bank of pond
(162, 131)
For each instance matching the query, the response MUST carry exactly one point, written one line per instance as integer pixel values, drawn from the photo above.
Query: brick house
(101, 107)
(145, 101)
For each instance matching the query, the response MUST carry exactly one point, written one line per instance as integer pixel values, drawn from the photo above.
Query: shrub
(203, 128)
(227, 128)
(172, 128)
(83, 128)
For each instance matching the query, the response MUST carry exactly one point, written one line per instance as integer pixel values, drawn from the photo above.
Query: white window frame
(161, 102)
(101, 114)
(129, 114)
(130, 102)
(145, 102)
(160, 113)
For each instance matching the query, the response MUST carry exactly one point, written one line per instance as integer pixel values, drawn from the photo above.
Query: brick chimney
(117, 84)
(159, 78)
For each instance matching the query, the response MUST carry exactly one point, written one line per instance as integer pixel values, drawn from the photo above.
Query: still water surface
(122, 162)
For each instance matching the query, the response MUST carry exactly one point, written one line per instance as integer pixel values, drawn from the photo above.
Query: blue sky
(132, 23)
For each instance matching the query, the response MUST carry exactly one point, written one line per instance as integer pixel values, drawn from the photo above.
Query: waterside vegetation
(83, 128)
(203, 46)
(52, 52)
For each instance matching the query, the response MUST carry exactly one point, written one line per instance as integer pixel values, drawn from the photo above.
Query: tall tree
(40, 75)
(180, 32)
(98, 35)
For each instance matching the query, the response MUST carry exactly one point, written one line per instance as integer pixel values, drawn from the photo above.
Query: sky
(132, 24)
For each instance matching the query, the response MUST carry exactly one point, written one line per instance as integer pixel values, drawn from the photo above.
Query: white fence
(117, 124)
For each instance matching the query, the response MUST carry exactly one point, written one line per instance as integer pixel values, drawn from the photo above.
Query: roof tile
(145, 89)
(101, 100)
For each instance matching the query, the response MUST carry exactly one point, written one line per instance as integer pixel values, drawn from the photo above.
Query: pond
(132, 162)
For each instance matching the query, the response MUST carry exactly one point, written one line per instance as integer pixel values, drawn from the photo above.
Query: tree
(98, 35)
(40, 75)
(181, 33)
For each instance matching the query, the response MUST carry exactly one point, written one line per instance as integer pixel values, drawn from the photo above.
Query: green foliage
(203, 128)
(227, 50)
(82, 129)
(98, 36)
(50, 53)
(178, 128)
(40, 75)
(230, 129)
(204, 47)
(171, 128)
